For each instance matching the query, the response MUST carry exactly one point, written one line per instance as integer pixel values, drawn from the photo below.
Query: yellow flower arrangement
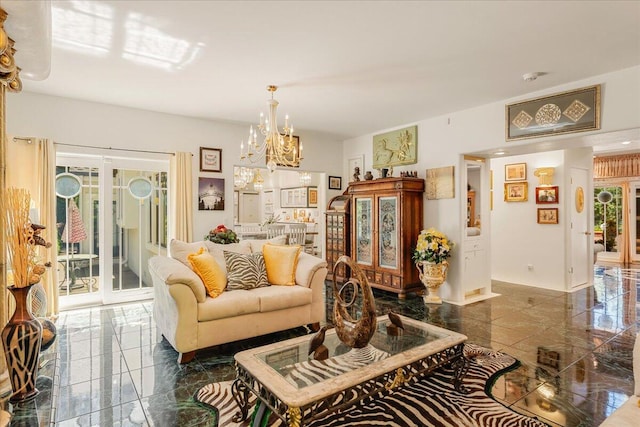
(432, 246)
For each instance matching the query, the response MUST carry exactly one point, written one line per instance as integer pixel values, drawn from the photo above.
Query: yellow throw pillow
(212, 275)
(281, 262)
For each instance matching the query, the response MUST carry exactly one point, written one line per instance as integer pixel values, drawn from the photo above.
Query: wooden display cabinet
(338, 235)
(386, 220)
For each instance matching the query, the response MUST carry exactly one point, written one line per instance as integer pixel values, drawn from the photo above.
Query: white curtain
(35, 170)
(181, 196)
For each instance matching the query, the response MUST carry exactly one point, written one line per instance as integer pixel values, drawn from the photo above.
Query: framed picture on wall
(335, 183)
(516, 191)
(210, 159)
(546, 195)
(515, 172)
(547, 215)
(210, 194)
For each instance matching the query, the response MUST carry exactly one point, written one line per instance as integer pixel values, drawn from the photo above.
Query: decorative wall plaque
(573, 111)
(395, 148)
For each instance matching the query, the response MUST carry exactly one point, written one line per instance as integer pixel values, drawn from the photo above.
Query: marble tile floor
(110, 367)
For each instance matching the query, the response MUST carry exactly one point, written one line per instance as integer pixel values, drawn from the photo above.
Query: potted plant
(222, 235)
(430, 255)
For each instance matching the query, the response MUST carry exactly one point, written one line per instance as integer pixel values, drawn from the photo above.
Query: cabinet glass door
(388, 235)
(363, 221)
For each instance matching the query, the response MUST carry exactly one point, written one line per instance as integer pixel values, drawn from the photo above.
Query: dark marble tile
(165, 410)
(161, 379)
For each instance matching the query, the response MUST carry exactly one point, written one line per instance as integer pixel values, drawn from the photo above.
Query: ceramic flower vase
(21, 338)
(432, 275)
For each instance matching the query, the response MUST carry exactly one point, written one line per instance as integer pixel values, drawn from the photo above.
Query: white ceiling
(346, 68)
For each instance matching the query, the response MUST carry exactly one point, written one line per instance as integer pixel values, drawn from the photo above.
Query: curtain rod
(31, 139)
(117, 149)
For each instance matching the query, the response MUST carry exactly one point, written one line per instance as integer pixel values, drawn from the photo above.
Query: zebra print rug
(427, 401)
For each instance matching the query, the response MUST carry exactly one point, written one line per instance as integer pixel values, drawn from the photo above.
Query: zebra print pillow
(245, 271)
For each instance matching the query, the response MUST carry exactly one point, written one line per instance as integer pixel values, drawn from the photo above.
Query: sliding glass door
(112, 217)
(608, 225)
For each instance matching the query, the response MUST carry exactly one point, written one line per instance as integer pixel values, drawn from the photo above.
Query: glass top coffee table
(299, 389)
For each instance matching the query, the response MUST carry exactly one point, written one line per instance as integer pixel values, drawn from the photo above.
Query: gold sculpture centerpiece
(277, 149)
(430, 255)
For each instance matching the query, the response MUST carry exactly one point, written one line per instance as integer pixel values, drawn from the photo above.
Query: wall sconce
(545, 176)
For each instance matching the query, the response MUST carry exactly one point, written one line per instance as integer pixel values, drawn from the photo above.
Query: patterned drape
(627, 165)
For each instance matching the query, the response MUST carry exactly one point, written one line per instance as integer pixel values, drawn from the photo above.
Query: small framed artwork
(335, 183)
(547, 215)
(210, 194)
(516, 191)
(546, 195)
(515, 172)
(313, 197)
(210, 159)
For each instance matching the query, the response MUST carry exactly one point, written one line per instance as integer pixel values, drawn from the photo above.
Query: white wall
(517, 240)
(100, 125)
(442, 140)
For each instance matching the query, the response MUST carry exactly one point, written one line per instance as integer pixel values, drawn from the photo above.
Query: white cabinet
(475, 268)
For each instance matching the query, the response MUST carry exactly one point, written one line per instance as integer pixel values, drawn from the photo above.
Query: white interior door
(581, 235)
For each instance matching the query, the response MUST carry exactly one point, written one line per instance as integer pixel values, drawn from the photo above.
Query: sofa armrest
(308, 266)
(171, 272)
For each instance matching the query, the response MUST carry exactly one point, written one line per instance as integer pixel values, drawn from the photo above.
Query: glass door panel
(364, 225)
(607, 217)
(77, 196)
(139, 226)
(388, 244)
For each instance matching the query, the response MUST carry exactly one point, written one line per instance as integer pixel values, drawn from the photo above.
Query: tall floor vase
(432, 275)
(21, 338)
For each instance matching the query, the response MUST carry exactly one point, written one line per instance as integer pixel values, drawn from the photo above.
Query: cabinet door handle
(587, 233)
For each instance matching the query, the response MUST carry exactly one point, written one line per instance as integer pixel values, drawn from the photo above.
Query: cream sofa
(190, 320)
(628, 415)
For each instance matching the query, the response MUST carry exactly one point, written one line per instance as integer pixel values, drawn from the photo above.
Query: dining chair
(274, 230)
(297, 234)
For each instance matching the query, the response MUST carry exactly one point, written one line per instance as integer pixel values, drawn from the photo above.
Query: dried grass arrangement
(22, 238)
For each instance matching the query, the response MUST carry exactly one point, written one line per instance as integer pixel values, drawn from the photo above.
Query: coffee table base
(336, 402)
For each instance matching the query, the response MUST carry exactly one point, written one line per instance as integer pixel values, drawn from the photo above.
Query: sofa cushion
(209, 271)
(217, 250)
(307, 267)
(180, 250)
(173, 272)
(257, 244)
(281, 262)
(280, 297)
(229, 304)
(245, 271)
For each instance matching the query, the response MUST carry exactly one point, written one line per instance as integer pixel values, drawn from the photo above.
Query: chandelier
(305, 178)
(278, 149)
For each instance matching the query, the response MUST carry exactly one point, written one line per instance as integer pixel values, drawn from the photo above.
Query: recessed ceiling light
(626, 143)
(499, 153)
(529, 77)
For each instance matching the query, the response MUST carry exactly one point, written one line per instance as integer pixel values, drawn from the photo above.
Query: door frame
(106, 164)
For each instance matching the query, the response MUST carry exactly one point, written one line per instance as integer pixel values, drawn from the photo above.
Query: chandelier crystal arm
(276, 148)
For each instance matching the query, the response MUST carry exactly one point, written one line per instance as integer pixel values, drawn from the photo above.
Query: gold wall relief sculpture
(395, 148)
